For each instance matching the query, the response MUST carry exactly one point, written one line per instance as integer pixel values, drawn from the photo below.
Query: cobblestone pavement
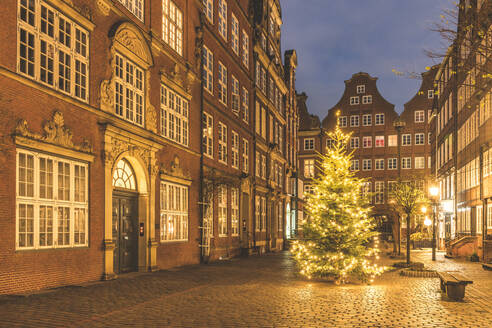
(252, 292)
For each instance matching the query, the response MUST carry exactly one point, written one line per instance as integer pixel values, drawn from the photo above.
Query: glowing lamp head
(424, 209)
(434, 191)
(427, 222)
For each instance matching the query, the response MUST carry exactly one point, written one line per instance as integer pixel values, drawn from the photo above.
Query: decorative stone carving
(118, 146)
(106, 96)
(103, 6)
(150, 112)
(176, 170)
(55, 133)
(198, 46)
(130, 40)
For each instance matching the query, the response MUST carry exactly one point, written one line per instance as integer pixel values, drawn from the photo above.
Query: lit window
(222, 83)
(52, 49)
(367, 120)
(223, 18)
(245, 49)
(342, 121)
(208, 69)
(234, 211)
(135, 7)
(222, 205)
(245, 166)
(123, 176)
(263, 166)
(174, 116)
(379, 164)
(309, 144)
(420, 162)
(392, 140)
(209, 10)
(406, 163)
(430, 94)
(235, 34)
(354, 120)
(354, 142)
(379, 192)
(174, 212)
(367, 142)
(245, 105)
(222, 143)
(235, 150)
(208, 135)
(367, 99)
(52, 201)
(379, 141)
(392, 163)
(406, 139)
(129, 90)
(257, 164)
(354, 100)
(235, 95)
(257, 213)
(172, 25)
(419, 116)
(366, 164)
(379, 119)
(309, 168)
(361, 89)
(419, 139)
(354, 165)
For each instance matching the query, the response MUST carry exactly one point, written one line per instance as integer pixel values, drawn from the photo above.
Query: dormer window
(361, 89)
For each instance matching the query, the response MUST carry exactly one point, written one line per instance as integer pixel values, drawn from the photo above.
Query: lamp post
(434, 192)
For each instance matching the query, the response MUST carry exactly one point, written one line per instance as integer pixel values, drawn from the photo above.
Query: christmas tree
(338, 228)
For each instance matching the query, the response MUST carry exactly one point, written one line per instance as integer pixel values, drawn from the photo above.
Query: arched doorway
(125, 218)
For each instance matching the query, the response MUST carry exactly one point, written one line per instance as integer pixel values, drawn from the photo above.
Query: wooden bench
(453, 284)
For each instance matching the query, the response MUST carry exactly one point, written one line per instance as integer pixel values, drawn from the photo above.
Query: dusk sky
(337, 38)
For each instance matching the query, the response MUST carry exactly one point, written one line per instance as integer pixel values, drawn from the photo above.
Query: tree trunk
(394, 230)
(408, 238)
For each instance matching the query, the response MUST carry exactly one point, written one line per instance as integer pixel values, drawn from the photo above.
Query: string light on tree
(339, 229)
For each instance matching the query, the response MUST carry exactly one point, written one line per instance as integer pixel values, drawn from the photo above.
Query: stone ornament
(176, 170)
(55, 133)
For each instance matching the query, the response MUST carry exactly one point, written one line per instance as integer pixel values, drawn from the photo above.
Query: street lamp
(434, 192)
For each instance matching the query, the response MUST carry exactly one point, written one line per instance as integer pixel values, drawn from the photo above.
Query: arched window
(123, 176)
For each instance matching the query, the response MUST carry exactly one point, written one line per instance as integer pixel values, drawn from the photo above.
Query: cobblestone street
(255, 292)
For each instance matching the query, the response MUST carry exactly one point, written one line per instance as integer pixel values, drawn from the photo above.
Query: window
(392, 140)
(257, 213)
(342, 121)
(406, 139)
(263, 213)
(235, 34)
(280, 213)
(208, 70)
(172, 26)
(367, 120)
(367, 142)
(245, 165)
(129, 90)
(52, 49)
(419, 139)
(420, 162)
(392, 164)
(354, 120)
(235, 150)
(245, 50)
(367, 99)
(366, 164)
(223, 18)
(379, 164)
(479, 214)
(222, 143)
(489, 215)
(245, 105)
(354, 142)
(135, 7)
(309, 168)
(429, 138)
(378, 192)
(174, 116)
(361, 89)
(235, 211)
(379, 119)
(174, 212)
(52, 201)
(222, 205)
(257, 164)
(406, 163)
(222, 84)
(209, 10)
(430, 94)
(235, 95)
(263, 166)
(354, 165)
(379, 141)
(208, 135)
(419, 116)
(309, 144)
(354, 100)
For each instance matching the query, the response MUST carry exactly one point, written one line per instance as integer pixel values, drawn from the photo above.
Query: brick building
(101, 104)
(382, 152)
(462, 125)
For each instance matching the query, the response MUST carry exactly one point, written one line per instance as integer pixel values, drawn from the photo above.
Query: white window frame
(379, 139)
(245, 49)
(361, 89)
(174, 116)
(419, 139)
(235, 211)
(367, 142)
(223, 18)
(222, 210)
(263, 214)
(354, 120)
(263, 166)
(354, 100)
(174, 209)
(208, 6)
(245, 158)
(309, 168)
(222, 83)
(342, 121)
(367, 99)
(378, 192)
(208, 70)
(354, 142)
(136, 7)
(172, 26)
(222, 140)
(64, 65)
(235, 34)
(367, 165)
(235, 149)
(208, 135)
(379, 119)
(406, 163)
(245, 105)
(354, 165)
(367, 120)
(257, 213)
(309, 144)
(73, 200)
(392, 140)
(235, 95)
(430, 94)
(392, 163)
(419, 116)
(419, 162)
(406, 139)
(379, 164)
